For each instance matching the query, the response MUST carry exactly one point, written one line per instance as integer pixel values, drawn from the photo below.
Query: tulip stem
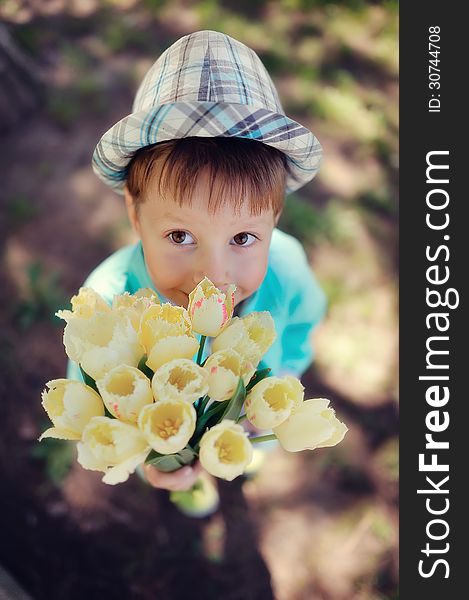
(263, 438)
(201, 349)
(203, 404)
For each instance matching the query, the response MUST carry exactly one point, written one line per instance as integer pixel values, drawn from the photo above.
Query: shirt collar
(139, 267)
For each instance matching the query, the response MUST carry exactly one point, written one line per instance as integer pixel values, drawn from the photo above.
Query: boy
(204, 162)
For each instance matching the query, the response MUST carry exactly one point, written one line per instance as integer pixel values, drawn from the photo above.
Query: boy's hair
(238, 169)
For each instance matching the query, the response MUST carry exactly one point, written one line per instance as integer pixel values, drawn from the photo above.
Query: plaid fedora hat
(206, 84)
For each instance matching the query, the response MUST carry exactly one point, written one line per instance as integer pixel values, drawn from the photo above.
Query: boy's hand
(177, 481)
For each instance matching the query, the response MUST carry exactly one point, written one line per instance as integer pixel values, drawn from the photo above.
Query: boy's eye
(181, 238)
(242, 239)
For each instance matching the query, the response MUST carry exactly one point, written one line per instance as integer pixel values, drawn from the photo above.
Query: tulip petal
(121, 472)
(107, 443)
(59, 434)
(336, 437)
(168, 348)
(251, 336)
(311, 425)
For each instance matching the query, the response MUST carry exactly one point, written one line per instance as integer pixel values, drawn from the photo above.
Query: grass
(57, 457)
(20, 210)
(304, 221)
(44, 296)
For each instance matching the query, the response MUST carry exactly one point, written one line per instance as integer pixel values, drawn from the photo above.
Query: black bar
(431, 131)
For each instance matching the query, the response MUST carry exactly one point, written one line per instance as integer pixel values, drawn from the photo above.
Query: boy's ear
(131, 211)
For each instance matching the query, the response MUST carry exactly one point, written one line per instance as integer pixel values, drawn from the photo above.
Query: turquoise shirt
(289, 291)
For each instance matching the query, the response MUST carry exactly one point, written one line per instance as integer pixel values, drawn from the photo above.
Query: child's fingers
(180, 480)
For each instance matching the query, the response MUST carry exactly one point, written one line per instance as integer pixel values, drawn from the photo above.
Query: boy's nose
(216, 271)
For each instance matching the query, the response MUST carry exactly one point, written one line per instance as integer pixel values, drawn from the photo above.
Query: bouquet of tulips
(144, 398)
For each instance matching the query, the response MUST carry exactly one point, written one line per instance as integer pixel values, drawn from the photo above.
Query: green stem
(263, 438)
(203, 404)
(242, 418)
(201, 349)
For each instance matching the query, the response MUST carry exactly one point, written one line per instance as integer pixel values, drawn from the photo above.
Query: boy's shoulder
(111, 276)
(290, 282)
(288, 261)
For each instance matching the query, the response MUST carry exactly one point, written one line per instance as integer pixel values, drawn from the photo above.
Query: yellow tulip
(127, 299)
(84, 305)
(166, 333)
(180, 379)
(209, 308)
(251, 336)
(271, 401)
(168, 425)
(311, 425)
(224, 369)
(101, 342)
(125, 391)
(69, 405)
(113, 447)
(225, 450)
(135, 304)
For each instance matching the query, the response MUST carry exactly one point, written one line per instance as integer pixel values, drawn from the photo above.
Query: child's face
(182, 245)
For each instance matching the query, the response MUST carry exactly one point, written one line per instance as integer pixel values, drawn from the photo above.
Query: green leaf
(58, 457)
(89, 380)
(229, 409)
(202, 423)
(92, 384)
(258, 376)
(233, 410)
(187, 454)
(142, 366)
(201, 404)
(167, 463)
(171, 462)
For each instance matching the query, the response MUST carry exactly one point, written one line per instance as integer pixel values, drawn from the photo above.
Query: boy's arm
(306, 309)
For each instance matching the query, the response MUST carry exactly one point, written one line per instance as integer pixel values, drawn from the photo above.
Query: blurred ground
(312, 526)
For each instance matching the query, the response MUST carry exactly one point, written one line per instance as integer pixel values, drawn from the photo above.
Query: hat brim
(177, 120)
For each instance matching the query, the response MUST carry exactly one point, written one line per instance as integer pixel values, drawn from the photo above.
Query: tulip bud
(311, 425)
(125, 391)
(168, 425)
(225, 450)
(69, 405)
(209, 308)
(113, 447)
